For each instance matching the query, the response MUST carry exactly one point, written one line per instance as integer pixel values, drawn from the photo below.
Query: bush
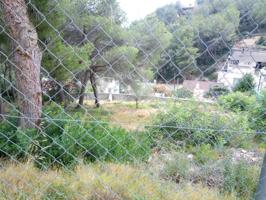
(8, 139)
(183, 93)
(194, 126)
(205, 153)
(237, 101)
(96, 182)
(258, 115)
(176, 168)
(91, 142)
(216, 91)
(245, 84)
(64, 142)
(240, 178)
(13, 141)
(163, 89)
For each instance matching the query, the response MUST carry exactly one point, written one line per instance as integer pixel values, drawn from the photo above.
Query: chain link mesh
(171, 106)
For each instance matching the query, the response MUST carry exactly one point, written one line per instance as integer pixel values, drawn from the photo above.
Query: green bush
(194, 125)
(257, 115)
(237, 101)
(177, 167)
(63, 141)
(90, 141)
(216, 91)
(241, 179)
(183, 93)
(205, 153)
(7, 139)
(245, 84)
(15, 142)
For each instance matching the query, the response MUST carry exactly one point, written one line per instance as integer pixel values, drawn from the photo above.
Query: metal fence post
(261, 189)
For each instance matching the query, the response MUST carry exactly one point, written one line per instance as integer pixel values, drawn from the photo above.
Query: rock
(190, 157)
(248, 156)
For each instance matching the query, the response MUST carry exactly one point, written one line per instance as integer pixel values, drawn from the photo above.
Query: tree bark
(27, 60)
(84, 83)
(137, 102)
(94, 88)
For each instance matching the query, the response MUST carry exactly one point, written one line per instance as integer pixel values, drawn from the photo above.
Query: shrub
(205, 153)
(91, 142)
(245, 84)
(96, 182)
(194, 126)
(8, 139)
(216, 91)
(237, 101)
(240, 178)
(176, 168)
(64, 142)
(258, 115)
(161, 88)
(183, 93)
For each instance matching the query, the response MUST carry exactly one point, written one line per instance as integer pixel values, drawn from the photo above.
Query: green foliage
(147, 35)
(245, 84)
(205, 153)
(217, 24)
(178, 61)
(169, 13)
(7, 139)
(216, 91)
(213, 24)
(64, 142)
(177, 167)
(240, 178)
(237, 101)
(258, 12)
(15, 142)
(183, 93)
(258, 115)
(61, 61)
(194, 126)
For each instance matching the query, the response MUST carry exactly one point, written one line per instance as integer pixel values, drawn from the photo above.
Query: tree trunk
(27, 59)
(137, 102)
(94, 88)
(84, 83)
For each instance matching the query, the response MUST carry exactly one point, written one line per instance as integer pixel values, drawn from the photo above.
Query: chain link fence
(167, 107)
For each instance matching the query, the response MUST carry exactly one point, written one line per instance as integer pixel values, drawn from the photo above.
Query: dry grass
(124, 114)
(94, 182)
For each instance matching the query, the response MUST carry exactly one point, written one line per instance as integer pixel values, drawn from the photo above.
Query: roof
(203, 85)
(249, 55)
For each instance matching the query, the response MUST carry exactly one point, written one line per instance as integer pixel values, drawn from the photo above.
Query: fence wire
(169, 106)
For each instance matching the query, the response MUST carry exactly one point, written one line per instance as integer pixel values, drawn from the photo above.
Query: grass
(109, 181)
(123, 113)
(94, 182)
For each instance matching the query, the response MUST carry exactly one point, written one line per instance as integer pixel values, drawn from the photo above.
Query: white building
(109, 85)
(243, 61)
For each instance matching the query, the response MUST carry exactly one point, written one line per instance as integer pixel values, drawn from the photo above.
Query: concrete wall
(130, 97)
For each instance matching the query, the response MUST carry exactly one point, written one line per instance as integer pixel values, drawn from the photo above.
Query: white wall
(236, 72)
(108, 85)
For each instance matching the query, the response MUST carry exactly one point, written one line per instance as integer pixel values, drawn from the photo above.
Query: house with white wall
(109, 85)
(243, 61)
